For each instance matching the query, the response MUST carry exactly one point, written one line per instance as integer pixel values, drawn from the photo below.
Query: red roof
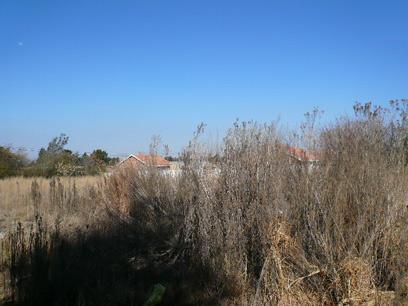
(155, 160)
(303, 155)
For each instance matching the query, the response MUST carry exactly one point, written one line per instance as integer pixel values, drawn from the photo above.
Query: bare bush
(343, 214)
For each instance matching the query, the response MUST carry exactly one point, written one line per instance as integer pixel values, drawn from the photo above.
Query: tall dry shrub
(349, 208)
(152, 205)
(238, 206)
(343, 218)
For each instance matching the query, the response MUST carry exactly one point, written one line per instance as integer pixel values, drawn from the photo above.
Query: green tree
(101, 156)
(11, 163)
(99, 160)
(56, 159)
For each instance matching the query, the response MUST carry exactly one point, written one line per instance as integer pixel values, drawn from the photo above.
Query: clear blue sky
(111, 74)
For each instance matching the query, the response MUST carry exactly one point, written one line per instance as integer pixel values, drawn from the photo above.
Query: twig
(302, 278)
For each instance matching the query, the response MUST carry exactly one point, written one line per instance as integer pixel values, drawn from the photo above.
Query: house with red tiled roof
(308, 160)
(141, 160)
(303, 155)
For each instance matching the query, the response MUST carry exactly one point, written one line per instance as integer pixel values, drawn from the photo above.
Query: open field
(21, 199)
(70, 202)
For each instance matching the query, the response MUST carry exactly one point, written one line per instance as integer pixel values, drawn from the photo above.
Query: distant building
(141, 160)
(303, 155)
(304, 158)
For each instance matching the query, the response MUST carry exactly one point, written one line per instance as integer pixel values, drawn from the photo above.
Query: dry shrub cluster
(256, 226)
(334, 231)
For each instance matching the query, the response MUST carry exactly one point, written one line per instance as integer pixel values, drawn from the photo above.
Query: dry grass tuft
(356, 281)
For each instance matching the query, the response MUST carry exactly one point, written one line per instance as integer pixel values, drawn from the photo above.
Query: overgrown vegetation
(254, 226)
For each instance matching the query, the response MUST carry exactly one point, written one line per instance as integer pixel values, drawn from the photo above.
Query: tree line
(54, 160)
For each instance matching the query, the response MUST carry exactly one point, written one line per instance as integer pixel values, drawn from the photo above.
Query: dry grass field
(21, 199)
(69, 202)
